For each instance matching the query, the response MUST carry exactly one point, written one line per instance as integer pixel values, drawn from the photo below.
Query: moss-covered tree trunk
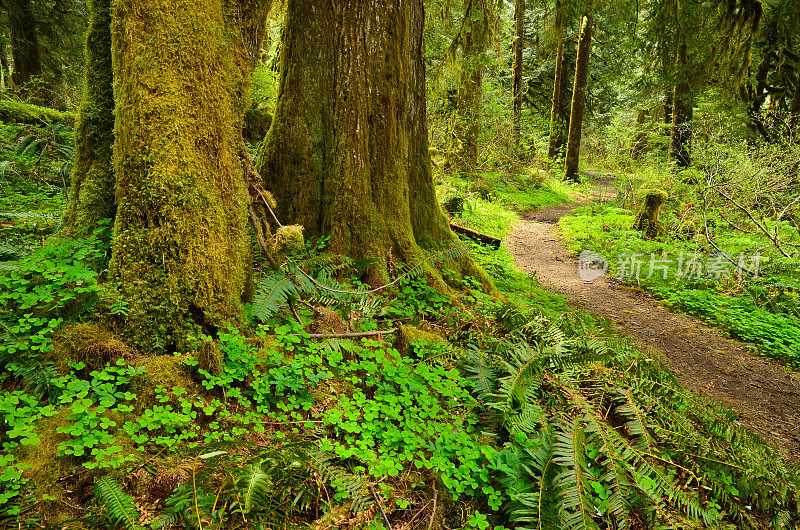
(519, 48)
(578, 100)
(682, 108)
(181, 252)
(92, 189)
(347, 154)
(558, 122)
(473, 37)
(24, 41)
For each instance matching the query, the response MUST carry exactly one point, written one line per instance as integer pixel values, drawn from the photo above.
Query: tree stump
(647, 218)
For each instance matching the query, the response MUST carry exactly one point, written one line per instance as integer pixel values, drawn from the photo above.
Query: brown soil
(705, 360)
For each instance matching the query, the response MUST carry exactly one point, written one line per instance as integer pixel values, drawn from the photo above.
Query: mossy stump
(647, 218)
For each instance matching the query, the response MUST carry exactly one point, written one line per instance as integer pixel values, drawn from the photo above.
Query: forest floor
(765, 395)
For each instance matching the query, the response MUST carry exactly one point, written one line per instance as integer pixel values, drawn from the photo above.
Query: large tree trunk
(92, 189)
(519, 47)
(558, 123)
(181, 252)
(682, 108)
(347, 154)
(578, 100)
(24, 42)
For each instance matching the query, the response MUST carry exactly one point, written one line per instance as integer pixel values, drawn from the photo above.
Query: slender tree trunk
(795, 108)
(578, 100)
(92, 189)
(668, 111)
(683, 103)
(519, 47)
(557, 122)
(24, 41)
(181, 252)
(5, 66)
(347, 154)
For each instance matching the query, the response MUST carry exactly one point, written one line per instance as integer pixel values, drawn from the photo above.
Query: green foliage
(761, 309)
(600, 435)
(118, 505)
(54, 285)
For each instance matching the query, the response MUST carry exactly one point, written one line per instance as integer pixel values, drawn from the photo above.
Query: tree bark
(92, 188)
(519, 47)
(181, 252)
(558, 123)
(24, 42)
(578, 100)
(683, 103)
(347, 154)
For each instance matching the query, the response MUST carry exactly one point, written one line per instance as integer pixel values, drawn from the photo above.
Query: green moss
(181, 243)
(647, 218)
(168, 371)
(288, 239)
(18, 112)
(89, 344)
(408, 337)
(92, 187)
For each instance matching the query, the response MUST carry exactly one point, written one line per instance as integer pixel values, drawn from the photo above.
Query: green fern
(117, 504)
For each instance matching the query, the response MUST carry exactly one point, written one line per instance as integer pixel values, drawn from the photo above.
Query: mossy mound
(168, 371)
(88, 344)
(327, 321)
(409, 338)
(288, 239)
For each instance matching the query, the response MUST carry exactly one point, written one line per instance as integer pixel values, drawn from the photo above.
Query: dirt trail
(766, 397)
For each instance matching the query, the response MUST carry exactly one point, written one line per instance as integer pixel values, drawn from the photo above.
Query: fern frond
(117, 504)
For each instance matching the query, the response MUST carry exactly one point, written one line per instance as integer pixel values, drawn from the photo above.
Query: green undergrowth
(35, 162)
(691, 276)
(478, 412)
(490, 202)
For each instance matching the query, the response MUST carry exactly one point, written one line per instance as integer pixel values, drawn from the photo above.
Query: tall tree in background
(92, 188)
(682, 110)
(347, 154)
(713, 45)
(578, 99)
(181, 252)
(480, 17)
(558, 119)
(24, 41)
(519, 47)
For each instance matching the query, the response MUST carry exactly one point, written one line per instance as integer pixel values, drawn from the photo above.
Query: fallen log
(484, 239)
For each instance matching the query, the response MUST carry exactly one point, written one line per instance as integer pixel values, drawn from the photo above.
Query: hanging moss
(181, 244)
(92, 188)
(647, 218)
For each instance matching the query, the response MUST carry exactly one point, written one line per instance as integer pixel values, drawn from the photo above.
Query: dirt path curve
(766, 397)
